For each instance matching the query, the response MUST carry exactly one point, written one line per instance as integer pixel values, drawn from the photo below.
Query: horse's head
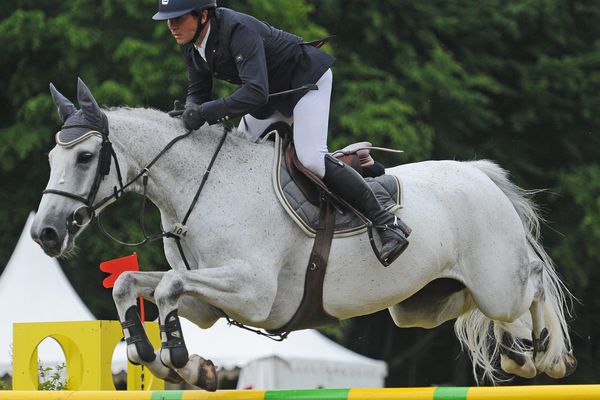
(79, 163)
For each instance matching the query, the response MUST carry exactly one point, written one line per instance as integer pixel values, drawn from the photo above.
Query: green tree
(513, 81)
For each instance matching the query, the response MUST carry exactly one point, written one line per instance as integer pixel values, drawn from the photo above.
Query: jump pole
(546, 392)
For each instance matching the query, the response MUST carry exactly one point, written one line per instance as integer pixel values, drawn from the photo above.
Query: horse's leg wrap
(137, 335)
(540, 345)
(174, 342)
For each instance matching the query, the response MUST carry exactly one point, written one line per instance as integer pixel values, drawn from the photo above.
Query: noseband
(107, 153)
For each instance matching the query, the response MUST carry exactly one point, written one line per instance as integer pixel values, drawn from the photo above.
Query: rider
(220, 43)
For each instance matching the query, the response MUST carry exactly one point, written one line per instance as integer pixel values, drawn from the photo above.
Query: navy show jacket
(260, 58)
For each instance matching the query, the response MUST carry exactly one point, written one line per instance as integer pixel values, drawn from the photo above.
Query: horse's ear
(63, 105)
(87, 103)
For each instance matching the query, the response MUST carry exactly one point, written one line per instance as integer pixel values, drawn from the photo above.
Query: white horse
(474, 254)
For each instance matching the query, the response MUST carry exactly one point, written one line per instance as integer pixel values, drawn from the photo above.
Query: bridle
(75, 222)
(107, 153)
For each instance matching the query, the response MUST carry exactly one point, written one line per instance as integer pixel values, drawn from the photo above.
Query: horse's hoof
(525, 370)
(200, 372)
(563, 368)
(208, 376)
(570, 364)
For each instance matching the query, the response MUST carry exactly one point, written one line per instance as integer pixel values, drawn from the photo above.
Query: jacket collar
(212, 44)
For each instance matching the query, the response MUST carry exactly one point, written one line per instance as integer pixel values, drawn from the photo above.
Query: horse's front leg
(237, 288)
(128, 287)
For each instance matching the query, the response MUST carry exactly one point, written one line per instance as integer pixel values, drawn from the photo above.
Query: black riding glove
(192, 116)
(177, 110)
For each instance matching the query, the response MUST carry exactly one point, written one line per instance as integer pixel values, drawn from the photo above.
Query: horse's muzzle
(49, 239)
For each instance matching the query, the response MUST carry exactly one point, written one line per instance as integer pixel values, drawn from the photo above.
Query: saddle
(299, 190)
(322, 215)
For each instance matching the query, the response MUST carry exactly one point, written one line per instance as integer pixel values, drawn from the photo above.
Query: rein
(107, 153)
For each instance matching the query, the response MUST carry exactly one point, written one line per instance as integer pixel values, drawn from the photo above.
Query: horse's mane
(151, 124)
(153, 115)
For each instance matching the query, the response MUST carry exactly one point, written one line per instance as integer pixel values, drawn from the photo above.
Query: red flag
(116, 267)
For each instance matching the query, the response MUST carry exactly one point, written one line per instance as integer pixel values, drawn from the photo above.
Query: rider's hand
(192, 116)
(177, 110)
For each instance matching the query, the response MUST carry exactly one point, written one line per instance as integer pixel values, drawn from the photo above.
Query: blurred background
(515, 81)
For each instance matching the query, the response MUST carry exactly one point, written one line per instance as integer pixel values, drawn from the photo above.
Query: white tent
(33, 288)
(305, 360)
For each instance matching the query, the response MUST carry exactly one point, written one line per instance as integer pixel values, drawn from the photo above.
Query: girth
(310, 312)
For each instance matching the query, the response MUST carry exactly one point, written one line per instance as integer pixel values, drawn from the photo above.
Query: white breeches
(310, 119)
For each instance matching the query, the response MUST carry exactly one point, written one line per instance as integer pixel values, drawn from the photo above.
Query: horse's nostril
(49, 237)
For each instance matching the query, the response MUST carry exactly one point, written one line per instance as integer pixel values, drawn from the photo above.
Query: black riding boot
(350, 186)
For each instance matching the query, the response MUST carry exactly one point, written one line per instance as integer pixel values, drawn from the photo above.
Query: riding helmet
(168, 9)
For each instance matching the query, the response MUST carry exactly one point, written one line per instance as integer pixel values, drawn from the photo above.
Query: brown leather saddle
(310, 313)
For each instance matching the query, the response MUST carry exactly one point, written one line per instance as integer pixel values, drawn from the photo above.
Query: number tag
(179, 230)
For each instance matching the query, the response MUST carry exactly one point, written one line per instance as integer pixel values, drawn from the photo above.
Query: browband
(76, 140)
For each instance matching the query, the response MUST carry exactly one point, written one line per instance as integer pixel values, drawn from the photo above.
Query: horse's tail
(475, 330)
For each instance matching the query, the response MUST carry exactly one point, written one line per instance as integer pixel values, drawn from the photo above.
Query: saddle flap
(308, 183)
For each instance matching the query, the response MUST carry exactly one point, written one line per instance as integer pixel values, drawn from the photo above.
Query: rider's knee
(314, 162)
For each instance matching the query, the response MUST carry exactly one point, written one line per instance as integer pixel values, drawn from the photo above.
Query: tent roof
(230, 346)
(306, 359)
(33, 288)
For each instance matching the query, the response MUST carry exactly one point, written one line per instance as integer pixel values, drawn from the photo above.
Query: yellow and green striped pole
(548, 392)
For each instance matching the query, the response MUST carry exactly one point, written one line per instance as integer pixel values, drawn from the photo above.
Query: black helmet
(168, 9)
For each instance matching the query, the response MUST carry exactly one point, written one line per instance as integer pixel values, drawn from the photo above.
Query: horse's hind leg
(127, 289)
(551, 348)
(516, 347)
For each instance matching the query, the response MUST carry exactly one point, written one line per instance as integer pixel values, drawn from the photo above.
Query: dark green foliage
(516, 81)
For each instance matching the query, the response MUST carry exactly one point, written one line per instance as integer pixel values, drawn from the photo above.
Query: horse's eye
(85, 157)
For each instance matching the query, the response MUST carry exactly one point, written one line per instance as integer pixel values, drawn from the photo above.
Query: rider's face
(183, 28)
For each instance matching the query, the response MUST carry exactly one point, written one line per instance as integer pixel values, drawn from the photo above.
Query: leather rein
(107, 154)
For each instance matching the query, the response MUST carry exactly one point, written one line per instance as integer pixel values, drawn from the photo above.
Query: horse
(475, 255)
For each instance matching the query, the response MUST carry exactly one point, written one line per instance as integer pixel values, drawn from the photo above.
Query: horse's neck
(140, 135)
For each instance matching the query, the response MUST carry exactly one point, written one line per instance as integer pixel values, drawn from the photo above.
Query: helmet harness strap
(200, 27)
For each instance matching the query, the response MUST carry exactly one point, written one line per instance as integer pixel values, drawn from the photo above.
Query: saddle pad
(387, 188)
